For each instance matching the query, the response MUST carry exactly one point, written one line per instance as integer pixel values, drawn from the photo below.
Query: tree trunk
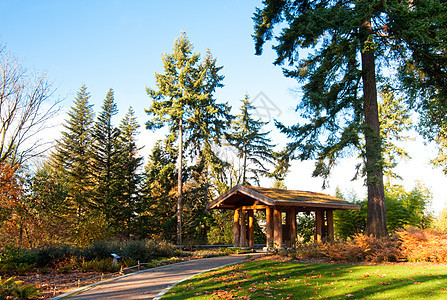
(180, 184)
(244, 182)
(20, 234)
(376, 218)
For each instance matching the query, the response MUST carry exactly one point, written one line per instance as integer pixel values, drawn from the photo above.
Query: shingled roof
(248, 195)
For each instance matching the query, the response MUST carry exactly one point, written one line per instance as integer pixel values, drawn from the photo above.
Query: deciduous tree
(25, 110)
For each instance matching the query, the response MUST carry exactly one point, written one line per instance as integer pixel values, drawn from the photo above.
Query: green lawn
(289, 280)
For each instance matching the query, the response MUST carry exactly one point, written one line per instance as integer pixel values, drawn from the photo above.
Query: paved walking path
(148, 284)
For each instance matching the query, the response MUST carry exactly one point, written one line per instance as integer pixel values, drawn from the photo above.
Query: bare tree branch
(25, 110)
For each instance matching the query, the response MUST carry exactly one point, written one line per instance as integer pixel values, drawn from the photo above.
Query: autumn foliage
(423, 245)
(410, 244)
(9, 187)
(364, 248)
(11, 208)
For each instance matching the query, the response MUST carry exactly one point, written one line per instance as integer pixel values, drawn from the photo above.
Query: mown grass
(290, 280)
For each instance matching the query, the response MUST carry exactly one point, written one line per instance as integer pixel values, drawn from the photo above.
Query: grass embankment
(267, 279)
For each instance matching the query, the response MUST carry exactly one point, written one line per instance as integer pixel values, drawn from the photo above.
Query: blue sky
(118, 44)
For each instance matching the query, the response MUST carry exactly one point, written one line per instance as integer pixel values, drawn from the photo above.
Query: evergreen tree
(395, 119)
(184, 103)
(49, 189)
(253, 146)
(128, 165)
(349, 38)
(208, 123)
(441, 159)
(158, 212)
(72, 157)
(105, 159)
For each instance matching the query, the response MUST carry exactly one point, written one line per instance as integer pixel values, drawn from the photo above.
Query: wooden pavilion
(281, 207)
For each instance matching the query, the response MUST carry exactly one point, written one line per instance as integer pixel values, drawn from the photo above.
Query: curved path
(149, 283)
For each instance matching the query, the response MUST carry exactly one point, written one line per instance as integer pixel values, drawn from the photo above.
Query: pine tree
(184, 103)
(105, 158)
(347, 40)
(128, 165)
(253, 146)
(72, 157)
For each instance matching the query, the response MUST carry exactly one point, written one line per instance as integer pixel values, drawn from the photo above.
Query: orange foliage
(364, 248)
(9, 188)
(423, 245)
(12, 208)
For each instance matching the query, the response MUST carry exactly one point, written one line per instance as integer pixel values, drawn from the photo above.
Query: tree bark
(376, 217)
(179, 185)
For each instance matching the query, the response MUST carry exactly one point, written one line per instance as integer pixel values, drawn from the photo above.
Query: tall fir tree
(104, 161)
(184, 103)
(157, 218)
(347, 39)
(72, 157)
(395, 121)
(253, 146)
(128, 165)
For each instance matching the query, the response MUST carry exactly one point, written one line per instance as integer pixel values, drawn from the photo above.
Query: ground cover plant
(56, 269)
(292, 279)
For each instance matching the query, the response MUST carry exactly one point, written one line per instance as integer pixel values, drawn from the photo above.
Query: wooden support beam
(243, 236)
(319, 224)
(252, 207)
(286, 228)
(277, 229)
(269, 226)
(293, 226)
(251, 229)
(330, 225)
(236, 228)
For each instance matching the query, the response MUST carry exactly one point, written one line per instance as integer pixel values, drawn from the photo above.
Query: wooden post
(319, 223)
(277, 229)
(293, 228)
(251, 229)
(286, 229)
(269, 226)
(236, 228)
(243, 237)
(330, 225)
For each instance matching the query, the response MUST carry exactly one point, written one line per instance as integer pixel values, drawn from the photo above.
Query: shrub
(16, 260)
(423, 245)
(100, 250)
(10, 289)
(305, 250)
(99, 265)
(51, 255)
(364, 248)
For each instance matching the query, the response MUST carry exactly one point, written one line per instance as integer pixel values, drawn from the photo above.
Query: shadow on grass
(288, 280)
